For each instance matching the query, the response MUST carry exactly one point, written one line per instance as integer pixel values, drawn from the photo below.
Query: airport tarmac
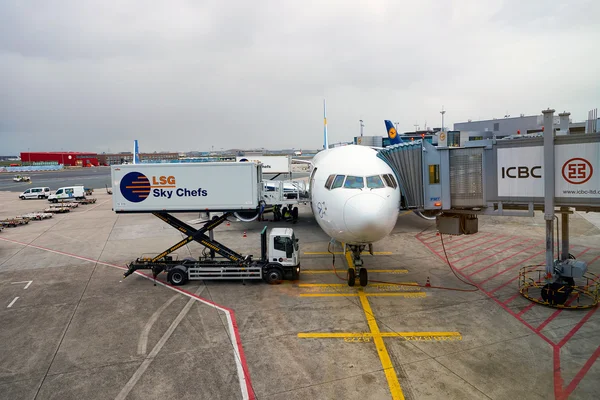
(73, 328)
(93, 177)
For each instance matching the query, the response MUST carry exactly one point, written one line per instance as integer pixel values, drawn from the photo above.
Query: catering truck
(232, 189)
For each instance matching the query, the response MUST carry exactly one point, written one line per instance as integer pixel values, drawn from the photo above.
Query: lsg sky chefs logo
(136, 187)
(577, 171)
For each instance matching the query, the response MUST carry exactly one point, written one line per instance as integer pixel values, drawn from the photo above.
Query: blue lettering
(185, 192)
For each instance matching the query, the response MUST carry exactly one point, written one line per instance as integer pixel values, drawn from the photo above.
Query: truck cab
(283, 247)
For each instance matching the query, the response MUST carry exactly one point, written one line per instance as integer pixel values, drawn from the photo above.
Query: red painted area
(482, 250)
(225, 309)
(71, 158)
(561, 392)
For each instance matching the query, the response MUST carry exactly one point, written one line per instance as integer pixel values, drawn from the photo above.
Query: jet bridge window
(434, 174)
(338, 181)
(329, 181)
(390, 181)
(374, 182)
(354, 182)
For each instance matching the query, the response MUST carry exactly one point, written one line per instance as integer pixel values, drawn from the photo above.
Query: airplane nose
(370, 217)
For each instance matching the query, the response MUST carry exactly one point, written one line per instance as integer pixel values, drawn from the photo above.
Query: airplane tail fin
(136, 152)
(392, 134)
(325, 138)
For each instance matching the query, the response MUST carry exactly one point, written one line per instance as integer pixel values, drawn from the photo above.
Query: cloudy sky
(185, 75)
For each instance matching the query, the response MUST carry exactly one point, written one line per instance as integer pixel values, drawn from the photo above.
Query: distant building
(505, 126)
(122, 158)
(68, 158)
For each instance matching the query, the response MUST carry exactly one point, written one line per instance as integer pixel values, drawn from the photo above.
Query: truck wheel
(177, 276)
(274, 276)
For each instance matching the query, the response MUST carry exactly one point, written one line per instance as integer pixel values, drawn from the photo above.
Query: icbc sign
(577, 171)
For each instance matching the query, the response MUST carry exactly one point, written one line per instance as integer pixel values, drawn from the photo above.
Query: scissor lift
(272, 267)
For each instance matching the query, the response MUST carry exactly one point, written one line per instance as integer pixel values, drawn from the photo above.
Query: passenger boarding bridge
(507, 177)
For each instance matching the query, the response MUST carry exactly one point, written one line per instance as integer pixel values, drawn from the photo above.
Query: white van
(67, 193)
(35, 193)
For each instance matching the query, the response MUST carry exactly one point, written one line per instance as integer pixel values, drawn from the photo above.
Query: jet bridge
(507, 177)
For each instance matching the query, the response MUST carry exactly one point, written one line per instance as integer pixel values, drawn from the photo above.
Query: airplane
(354, 197)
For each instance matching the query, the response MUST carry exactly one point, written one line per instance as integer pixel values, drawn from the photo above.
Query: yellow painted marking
(404, 335)
(371, 271)
(384, 357)
(397, 294)
(321, 253)
(345, 284)
(404, 213)
(386, 362)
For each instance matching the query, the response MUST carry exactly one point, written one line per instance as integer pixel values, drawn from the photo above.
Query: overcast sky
(189, 75)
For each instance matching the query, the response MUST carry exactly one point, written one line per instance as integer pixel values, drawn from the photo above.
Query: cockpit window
(329, 181)
(338, 181)
(354, 182)
(374, 182)
(390, 181)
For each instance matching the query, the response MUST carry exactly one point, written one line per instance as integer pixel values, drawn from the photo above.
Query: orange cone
(427, 284)
(228, 223)
(244, 234)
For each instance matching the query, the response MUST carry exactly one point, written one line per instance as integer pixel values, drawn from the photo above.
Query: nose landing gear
(357, 265)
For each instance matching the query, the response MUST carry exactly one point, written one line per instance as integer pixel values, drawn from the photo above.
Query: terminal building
(498, 128)
(123, 158)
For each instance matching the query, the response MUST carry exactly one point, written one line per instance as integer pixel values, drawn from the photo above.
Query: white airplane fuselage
(353, 215)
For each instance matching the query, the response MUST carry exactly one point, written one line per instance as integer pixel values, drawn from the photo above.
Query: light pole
(361, 127)
(442, 112)
(396, 123)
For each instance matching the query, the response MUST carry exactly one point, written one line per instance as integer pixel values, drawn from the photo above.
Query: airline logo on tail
(392, 134)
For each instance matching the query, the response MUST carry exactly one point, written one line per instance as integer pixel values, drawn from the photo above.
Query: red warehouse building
(68, 158)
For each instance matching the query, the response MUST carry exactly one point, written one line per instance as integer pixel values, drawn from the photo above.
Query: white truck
(229, 188)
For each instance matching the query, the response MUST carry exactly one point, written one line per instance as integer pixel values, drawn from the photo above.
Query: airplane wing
(295, 160)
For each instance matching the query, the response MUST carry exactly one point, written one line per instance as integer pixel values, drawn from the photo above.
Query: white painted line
(13, 302)
(146, 363)
(240, 359)
(143, 340)
(26, 286)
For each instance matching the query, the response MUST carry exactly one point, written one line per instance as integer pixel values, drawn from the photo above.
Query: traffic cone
(244, 234)
(427, 284)
(228, 224)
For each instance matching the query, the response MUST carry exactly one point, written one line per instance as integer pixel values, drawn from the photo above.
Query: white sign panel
(520, 172)
(270, 164)
(577, 171)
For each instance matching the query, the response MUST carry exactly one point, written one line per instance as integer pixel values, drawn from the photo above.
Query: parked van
(35, 193)
(67, 193)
